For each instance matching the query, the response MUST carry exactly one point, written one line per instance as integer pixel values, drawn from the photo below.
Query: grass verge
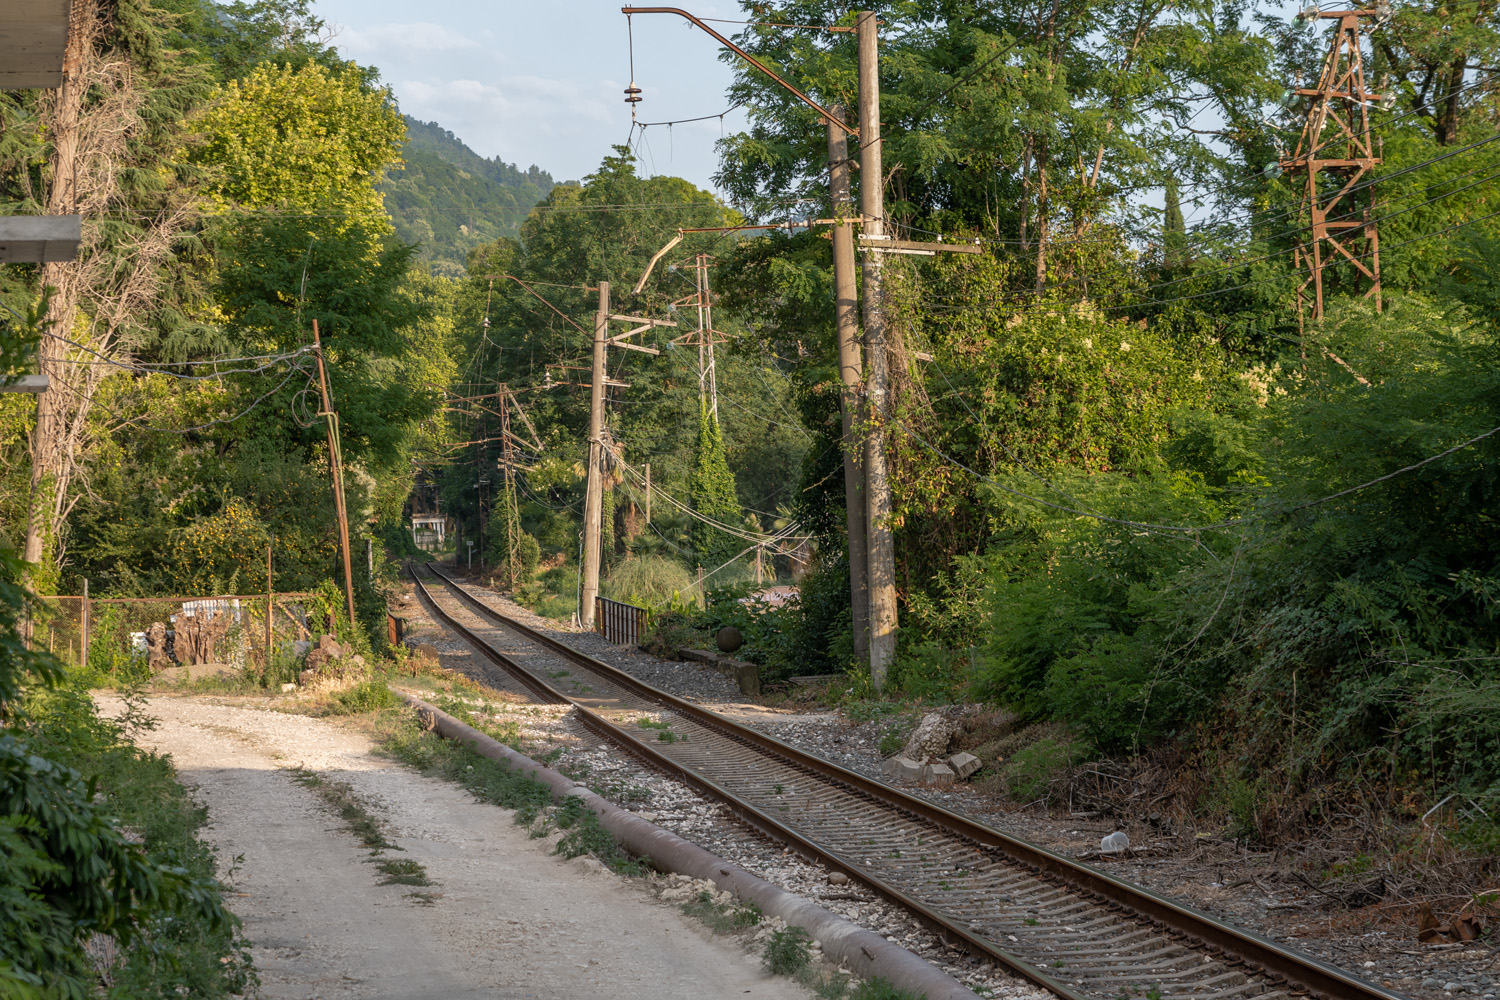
(359, 821)
(493, 782)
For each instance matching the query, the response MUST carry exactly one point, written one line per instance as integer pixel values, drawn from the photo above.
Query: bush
(648, 581)
(368, 696)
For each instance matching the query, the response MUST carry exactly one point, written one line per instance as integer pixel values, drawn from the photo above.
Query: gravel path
(505, 919)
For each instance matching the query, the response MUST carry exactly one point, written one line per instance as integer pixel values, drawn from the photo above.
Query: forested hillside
(448, 199)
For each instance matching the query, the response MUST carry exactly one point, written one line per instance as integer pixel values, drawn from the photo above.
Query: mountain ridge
(449, 199)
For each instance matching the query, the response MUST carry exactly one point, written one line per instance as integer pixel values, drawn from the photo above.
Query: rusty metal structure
(1335, 151)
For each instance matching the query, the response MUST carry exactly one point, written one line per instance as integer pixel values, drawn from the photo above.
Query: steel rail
(757, 819)
(1292, 971)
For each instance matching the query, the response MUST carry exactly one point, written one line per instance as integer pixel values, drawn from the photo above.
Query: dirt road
(505, 918)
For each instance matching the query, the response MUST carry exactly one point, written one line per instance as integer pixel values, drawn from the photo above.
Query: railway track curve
(1078, 932)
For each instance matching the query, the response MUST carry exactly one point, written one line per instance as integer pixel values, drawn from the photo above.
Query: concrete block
(747, 676)
(36, 239)
(937, 774)
(964, 764)
(902, 769)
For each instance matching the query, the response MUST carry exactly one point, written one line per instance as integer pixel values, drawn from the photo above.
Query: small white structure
(429, 531)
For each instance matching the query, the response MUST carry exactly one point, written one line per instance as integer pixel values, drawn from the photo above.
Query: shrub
(648, 581)
(367, 696)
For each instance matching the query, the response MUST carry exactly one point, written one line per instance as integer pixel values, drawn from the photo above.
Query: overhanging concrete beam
(24, 383)
(33, 39)
(37, 239)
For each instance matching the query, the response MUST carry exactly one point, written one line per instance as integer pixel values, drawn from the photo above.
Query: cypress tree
(712, 494)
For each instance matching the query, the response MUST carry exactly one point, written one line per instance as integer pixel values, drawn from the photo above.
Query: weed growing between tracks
(364, 825)
(490, 781)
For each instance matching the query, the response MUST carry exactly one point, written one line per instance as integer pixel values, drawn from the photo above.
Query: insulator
(1272, 170)
(632, 94)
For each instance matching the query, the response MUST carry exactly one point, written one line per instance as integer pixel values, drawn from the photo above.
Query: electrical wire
(685, 121)
(1217, 525)
(741, 533)
(225, 420)
(146, 369)
(1279, 277)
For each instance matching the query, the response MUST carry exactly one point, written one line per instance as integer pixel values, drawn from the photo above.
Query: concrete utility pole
(593, 507)
(882, 549)
(846, 311)
(593, 504)
(336, 462)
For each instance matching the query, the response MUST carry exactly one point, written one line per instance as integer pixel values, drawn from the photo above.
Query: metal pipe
(864, 952)
(745, 56)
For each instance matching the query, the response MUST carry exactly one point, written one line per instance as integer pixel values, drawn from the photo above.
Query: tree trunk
(50, 461)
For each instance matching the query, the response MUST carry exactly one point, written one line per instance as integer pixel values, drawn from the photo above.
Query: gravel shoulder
(504, 918)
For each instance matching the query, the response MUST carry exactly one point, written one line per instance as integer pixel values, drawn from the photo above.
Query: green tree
(303, 139)
(712, 494)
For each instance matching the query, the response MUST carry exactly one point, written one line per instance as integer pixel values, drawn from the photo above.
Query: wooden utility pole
(593, 504)
(83, 638)
(846, 312)
(336, 462)
(882, 549)
(648, 492)
(270, 608)
(512, 508)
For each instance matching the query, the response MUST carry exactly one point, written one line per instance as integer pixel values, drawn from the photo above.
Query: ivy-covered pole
(846, 313)
(882, 547)
(593, 504)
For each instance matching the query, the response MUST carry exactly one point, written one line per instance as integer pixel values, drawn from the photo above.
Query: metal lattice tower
(704, 337)
(1336, 148)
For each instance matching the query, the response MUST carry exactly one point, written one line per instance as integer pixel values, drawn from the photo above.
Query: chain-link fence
(163, 632)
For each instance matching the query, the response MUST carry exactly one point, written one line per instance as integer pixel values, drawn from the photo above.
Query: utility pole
(336, 462)
(846, 312)
(1341, 102)
(512, 508)
(593, 504)
(882, 549)
(270, 609)
(648, 492)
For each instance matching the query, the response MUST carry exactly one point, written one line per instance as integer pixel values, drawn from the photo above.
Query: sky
(542, 81)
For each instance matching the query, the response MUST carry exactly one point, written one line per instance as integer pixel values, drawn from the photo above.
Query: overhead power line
(1193, 529)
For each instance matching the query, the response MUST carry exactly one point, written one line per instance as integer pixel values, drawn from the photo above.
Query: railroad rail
(1080, 933)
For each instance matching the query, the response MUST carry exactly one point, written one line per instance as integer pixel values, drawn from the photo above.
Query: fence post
(83, 641)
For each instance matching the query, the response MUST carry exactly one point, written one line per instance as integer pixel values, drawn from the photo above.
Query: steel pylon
(1336, 142)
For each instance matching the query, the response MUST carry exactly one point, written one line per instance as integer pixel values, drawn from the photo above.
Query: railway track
(1075, 931)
